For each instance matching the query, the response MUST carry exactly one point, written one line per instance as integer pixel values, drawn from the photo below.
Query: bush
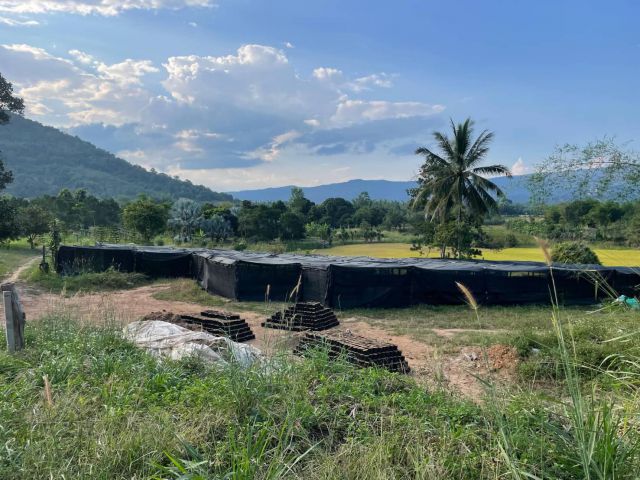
(86, 281)
(510, 241)
(240, 246)
(574, 252)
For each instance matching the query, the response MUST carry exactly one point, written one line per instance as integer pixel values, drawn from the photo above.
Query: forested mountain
(45, 160)
(515, 188)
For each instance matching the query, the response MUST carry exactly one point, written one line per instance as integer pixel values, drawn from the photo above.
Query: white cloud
(81, 57)
(193, 24)
(358, 111)
(238, 112)
(256, 79)
(66, 94)
(520, 168)
(128, 72)
(379, 80)
(271, 152)
(289, 45)
(97, 7)
(12, 22)
(327, 74)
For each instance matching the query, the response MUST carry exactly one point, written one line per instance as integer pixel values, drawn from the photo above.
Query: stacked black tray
(357, 349)
(221, 323)
(303, 316)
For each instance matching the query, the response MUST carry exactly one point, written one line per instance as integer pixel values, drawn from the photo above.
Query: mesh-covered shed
(626, 281)
(247, 276)
(367, 283)
(99, 258)
(434, 281)
(349, 282)
(164, 262)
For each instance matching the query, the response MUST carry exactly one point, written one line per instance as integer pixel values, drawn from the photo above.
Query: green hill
(45, 160)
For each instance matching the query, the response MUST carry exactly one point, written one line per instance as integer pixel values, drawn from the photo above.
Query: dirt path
(457, 372)
(15, 275)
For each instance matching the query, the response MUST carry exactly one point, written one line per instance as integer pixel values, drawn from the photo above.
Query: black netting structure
(353, 282)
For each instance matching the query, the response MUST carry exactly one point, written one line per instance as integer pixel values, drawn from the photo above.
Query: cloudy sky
(239, 94)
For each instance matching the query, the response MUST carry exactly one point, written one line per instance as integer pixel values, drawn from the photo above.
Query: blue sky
(246, 94)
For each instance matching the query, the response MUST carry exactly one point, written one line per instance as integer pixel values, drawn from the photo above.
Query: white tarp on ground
(165, 339)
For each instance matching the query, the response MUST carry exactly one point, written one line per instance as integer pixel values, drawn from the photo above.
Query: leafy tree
(9, 226)
(6, 177)
(8, 103)
(597, 168)
(459, 237)
(55, 239)
(216, 228)
(318, 230)
(185, 217)
(606, 213)
(146, 217)
(633, 230)
(574, 252)
(395, 217)
(451, 183)
(577, 212)
(292, 226)
(336, 212)
(372, 215)
(260, 221)
(225, 211)
(34, 220)
(298, 202)
(363, 200)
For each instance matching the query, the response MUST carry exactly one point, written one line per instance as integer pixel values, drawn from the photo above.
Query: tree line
(186, 220)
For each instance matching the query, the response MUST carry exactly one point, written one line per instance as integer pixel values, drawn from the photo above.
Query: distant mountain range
(45, 160)
(515, 188)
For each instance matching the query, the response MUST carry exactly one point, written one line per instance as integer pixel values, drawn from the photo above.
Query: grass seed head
(544, 246)
(468, 295)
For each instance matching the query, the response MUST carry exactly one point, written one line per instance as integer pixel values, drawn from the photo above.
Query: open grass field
(612, 257)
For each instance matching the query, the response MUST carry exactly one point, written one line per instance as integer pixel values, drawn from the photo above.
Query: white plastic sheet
(165, 339)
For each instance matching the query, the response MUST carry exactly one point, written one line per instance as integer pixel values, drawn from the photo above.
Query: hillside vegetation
(45, 160)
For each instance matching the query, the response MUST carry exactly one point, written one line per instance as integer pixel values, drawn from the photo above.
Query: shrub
(240, 246)
(574, 252)
(510, 240)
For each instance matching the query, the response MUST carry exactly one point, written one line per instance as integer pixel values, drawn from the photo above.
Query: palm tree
(454, 180)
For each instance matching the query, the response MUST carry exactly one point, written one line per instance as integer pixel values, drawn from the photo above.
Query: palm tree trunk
(459, 219)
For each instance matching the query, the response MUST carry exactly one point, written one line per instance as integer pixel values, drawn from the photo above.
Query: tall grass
(595, 433)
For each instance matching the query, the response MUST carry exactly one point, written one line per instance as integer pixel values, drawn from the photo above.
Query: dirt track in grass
(457, 372)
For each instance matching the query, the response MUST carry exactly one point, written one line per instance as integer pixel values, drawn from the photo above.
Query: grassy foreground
(613, 257)
(112, 411)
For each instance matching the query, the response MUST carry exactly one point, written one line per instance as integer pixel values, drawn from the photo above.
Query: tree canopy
(593, 170)
(8, 103)
(454, 180)
(452, 183)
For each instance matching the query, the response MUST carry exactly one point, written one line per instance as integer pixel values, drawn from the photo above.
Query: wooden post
(14, 317)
